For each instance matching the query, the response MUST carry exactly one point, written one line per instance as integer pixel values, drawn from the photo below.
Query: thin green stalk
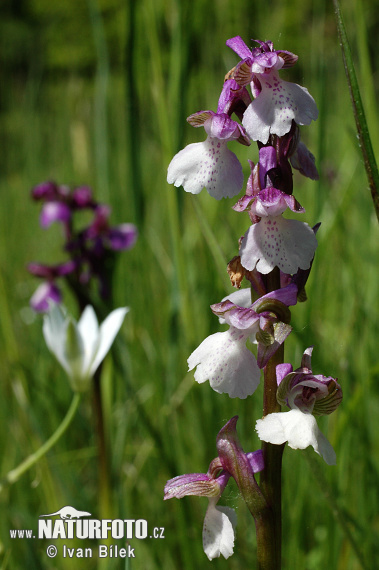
(103, 458)
(16, 473)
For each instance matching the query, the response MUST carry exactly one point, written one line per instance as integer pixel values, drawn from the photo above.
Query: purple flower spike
(44, 295)
(54, 212)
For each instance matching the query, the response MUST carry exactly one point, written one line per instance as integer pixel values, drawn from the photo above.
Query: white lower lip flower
(307, 395)
(223, 358)
(274, 240)
(81, 347)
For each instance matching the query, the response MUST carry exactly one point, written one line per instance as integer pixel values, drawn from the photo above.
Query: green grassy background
(97, 93)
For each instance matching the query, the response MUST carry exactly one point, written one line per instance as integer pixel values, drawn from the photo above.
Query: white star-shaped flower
(81, 347)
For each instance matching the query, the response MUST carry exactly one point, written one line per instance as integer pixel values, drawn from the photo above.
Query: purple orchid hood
(301, 389)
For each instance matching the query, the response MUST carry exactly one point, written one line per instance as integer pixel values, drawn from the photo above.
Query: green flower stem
(270, 477)
(16, 473)
(103, 459)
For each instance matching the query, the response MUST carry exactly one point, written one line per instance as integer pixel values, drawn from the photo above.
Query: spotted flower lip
(275, 241)
(224, 359)
(210, 164)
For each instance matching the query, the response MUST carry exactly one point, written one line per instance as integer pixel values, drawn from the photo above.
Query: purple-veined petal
(239, 47)
(282, 370)
(198, 119)
(267, 161)
(287, 295)
(278, 103)
(199, 484)
(209, 165)
(222, 127)
(218, 531)
(275, 241)
(241, 318)
(273, 202)
(267, 61)
(297, 428)
(224, 360)
(241, 297)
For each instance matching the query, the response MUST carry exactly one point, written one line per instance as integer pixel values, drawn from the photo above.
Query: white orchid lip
(299, 429)
(81, 347)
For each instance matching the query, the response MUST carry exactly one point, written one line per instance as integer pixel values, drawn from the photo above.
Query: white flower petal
(88, 327)
(209, 164)
(276, 106)
(224, 360)
(54, 330)
(276, 241)
(108, 331)
(299, 429)
(218, 531)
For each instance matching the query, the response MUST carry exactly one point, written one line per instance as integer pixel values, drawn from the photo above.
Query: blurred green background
(97, 92)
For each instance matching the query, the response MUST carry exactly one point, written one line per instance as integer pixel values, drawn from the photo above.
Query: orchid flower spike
(210, 164)
(306, 395)
(277, 103)
(223, 357)
(80, 347)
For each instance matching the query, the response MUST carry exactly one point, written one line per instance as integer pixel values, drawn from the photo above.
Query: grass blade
(359, 115)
